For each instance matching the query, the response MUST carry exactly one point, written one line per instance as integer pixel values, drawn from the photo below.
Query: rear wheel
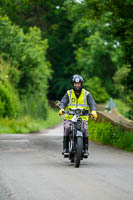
(78, 152)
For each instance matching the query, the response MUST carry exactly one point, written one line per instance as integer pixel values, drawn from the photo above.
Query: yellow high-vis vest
(81, 102)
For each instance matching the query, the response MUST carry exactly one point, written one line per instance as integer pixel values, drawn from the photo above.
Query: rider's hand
(61, 112)
(94, 114)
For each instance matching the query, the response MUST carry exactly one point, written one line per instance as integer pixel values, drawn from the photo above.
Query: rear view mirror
(57, 103)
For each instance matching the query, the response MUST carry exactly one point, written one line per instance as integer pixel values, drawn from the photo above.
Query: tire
(78, 152)
(72, 160)
(71, 151)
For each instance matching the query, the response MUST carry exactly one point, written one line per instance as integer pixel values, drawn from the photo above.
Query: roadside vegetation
(29, 124)
(43, 43)
(24, 76)
(108, 134)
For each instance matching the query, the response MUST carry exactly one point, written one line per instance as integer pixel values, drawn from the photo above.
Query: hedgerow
(106, 133)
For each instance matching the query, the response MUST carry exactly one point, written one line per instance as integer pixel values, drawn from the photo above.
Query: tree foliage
(102, 35)
(94, 86)
(51, 18)
(9, 100)
(29, 70)
(90, 37)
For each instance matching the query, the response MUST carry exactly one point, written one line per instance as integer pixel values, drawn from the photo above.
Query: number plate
(79, 133)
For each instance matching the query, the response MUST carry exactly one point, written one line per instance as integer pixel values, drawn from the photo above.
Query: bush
(106, 133)
(27, 124)
(29, 70)
(33, 108)
(9, 101)
(129, 114)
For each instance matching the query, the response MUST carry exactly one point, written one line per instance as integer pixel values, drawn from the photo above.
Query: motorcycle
(76, 151)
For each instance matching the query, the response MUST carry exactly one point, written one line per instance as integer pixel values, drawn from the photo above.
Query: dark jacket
(91, 102)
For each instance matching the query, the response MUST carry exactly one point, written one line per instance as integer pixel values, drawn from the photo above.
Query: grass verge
(27, 124)
(106, 133)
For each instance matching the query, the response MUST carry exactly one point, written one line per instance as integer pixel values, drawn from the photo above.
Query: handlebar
(78, 112)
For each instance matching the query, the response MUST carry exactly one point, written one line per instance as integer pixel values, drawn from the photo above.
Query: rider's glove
(61, 112)
(94, 114)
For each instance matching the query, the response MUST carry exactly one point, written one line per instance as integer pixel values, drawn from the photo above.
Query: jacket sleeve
(91, 102)
(64, 101)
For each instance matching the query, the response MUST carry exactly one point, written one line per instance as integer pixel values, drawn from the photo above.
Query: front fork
(75, 135)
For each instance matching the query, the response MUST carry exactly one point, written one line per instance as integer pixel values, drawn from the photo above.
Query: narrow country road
(32, 168)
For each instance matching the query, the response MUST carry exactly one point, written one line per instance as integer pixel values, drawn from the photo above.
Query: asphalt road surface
(32, 168)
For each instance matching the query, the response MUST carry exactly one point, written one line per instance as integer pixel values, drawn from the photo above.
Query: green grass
(122, 107)
(27, 124)
(106, 133)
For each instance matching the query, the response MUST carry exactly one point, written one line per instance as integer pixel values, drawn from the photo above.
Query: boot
(86, 144)
(66, 145)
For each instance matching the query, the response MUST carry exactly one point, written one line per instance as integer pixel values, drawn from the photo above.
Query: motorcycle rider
(77, 97)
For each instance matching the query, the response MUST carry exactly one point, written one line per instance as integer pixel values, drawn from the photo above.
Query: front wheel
(78, 151)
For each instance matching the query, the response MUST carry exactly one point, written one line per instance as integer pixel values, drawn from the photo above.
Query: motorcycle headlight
(77, 111)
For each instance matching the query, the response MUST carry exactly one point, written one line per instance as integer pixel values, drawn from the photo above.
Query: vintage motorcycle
(76, 151)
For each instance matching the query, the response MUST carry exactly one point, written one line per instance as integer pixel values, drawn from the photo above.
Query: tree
(50, 17)
(27, 55)
(71, 28)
